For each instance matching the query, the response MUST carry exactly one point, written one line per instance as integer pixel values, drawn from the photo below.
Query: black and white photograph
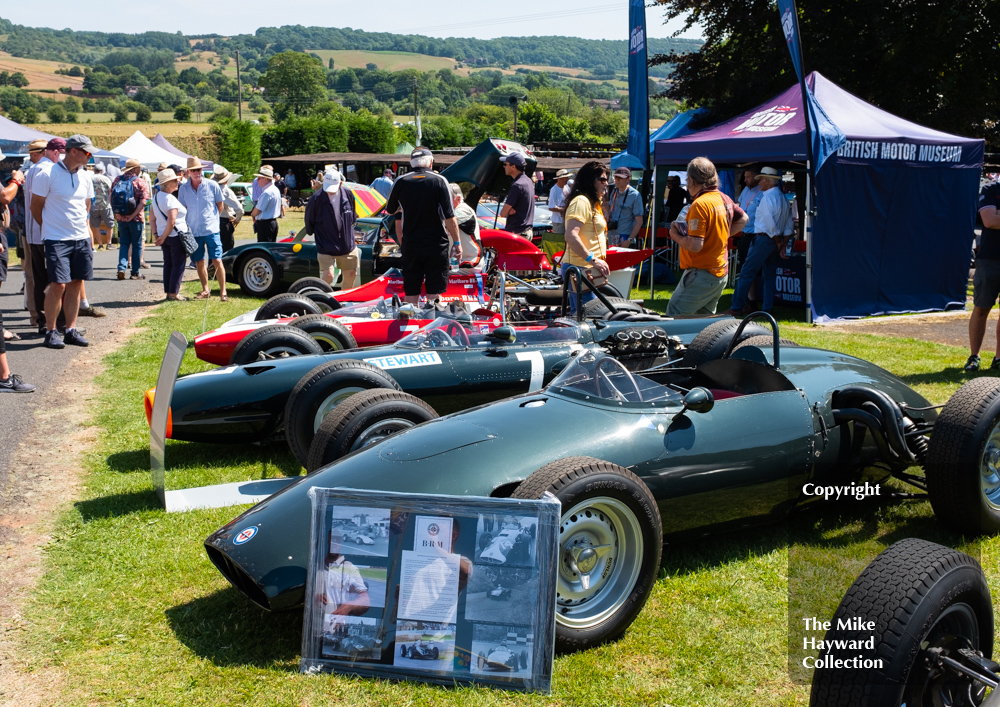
(351, 637)
(499, 650)
(425, 645)
(506, 540)
(501, 594)
(359, 531)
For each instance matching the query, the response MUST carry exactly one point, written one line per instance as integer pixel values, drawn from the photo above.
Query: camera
(612, 225)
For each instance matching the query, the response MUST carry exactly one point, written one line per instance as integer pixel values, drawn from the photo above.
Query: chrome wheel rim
(380, 430)
(258, 275)
(332, 401)
(600, 554)
(989, 470)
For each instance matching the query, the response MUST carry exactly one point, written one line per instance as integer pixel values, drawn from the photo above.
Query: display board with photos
(442, 589)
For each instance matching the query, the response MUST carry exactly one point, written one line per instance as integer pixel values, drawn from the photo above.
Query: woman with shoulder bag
(169, 221)
(586, 228)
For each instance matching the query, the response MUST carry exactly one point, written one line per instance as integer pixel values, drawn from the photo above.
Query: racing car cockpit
(456, 333)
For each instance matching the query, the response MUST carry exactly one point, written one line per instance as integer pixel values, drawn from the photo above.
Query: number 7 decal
(537, 368)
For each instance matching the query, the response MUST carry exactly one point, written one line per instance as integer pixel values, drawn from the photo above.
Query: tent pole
(809, 243)
(653, 215)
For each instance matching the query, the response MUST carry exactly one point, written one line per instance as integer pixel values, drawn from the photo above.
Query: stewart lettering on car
(405, 360)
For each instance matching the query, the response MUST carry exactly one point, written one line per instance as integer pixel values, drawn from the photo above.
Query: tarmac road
(122, 300)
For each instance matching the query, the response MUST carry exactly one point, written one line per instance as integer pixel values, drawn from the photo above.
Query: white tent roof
(146, 151)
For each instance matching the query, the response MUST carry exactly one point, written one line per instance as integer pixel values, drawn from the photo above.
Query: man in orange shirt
(711, 219)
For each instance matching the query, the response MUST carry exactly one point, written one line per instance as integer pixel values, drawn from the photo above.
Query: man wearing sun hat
(267, 207)
(330, 216)
(203, 200)
(130, 217)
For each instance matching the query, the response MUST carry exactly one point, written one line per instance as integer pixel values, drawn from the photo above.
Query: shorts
(697, 293)
(4, 256)
(66, 261)
(557, 228)
(351, 261)
(212, 244)
(102, 218)
(427, 265)
(986, 283)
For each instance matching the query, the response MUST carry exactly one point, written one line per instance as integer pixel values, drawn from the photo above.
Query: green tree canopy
(294, 79)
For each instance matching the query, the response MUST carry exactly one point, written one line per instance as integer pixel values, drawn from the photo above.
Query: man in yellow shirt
(711, 219)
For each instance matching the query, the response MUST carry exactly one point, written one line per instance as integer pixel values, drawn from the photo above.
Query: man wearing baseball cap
(425, 224)
(519, 208)
(60, 204)
(623, 209)
(330, 216)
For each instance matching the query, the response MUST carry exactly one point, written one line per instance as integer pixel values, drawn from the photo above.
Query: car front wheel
(610, 540)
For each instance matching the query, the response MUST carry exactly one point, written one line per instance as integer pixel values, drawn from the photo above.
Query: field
(389, 61)
(40, 74)
(205, 62)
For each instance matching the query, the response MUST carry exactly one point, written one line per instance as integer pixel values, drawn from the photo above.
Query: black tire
(484, 541)
(435, 652)
(363, 419)
(595, 309)
(916, 592)
(963, 459)
(330, 334)
(402, 650)
(287, 304)
(766, 343)
(712, 341)
(323, 299)
(273, 341)
(257, 274)
(318, 391)
(599, 498)
(523, 659)
(310, 283)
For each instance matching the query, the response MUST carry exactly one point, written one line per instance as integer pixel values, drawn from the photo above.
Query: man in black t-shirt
(519, 208)
(425, 225)
(986, 281)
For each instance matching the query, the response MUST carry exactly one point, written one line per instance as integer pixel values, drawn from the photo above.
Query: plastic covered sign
(442, 589)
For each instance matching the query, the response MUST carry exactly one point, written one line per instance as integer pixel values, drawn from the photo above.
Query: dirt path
(951, 328)
(47, 471)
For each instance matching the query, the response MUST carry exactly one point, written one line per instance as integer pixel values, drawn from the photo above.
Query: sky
(590, 19)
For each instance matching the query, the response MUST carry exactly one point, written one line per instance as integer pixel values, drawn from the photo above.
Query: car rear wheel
(712, 341)
(963, 459)
(610, 539)
(926, 602)
(257, 274)
(287, 304)
(364, 419)
(271, 342)
(320, 391)
(310, 283)
(330, 334)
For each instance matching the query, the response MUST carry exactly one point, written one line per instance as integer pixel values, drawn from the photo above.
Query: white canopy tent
(146, 151)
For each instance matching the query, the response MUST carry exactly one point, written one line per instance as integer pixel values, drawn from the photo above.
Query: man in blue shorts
(60, 204)
(203, 200)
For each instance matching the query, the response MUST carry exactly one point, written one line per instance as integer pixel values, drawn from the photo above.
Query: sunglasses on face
(195, 171)
(603, 179)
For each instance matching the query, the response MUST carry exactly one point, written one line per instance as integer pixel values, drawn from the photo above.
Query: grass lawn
(132, 611)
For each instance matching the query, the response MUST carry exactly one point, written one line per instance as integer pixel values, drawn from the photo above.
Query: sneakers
(14, 384)
(54, 340)
(144, 265)
(995, 366)
(121, 274)
(972, 365)
(137, 276)
(75, 338)
(92, 311)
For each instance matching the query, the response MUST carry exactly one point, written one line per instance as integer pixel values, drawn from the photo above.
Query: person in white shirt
(60, 204)
(555, 241)
(267, 208)
(168, 219)
(773, 226)
(468, 227)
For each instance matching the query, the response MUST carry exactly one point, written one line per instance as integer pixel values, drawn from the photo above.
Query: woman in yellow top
(586, 228)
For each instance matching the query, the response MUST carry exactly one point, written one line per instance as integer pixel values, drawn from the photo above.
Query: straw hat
(266, 172)
(166, 175)
(132, 163)
(769, 173)
(37, 145)
(194, 163)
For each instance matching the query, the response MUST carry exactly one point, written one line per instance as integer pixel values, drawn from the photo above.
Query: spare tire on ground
(273, 341)
(287, 304)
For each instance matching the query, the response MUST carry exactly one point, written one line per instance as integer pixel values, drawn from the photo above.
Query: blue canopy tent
(895, 202)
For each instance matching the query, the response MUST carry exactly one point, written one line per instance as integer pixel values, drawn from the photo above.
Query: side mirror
(502, 334)
(406, 311)
(698, 400)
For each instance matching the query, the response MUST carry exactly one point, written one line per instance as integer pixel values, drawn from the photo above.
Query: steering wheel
(440, 335)
(456, 332)
(604, 378)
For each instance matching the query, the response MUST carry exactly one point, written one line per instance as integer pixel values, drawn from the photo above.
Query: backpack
(123, 201)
